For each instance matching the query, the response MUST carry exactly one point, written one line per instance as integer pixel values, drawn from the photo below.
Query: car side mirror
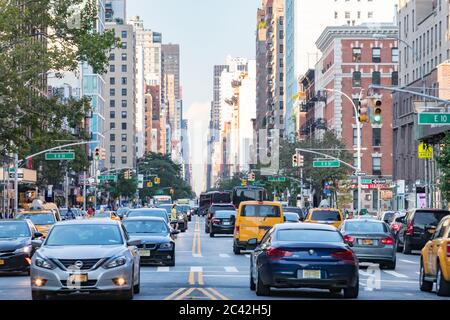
(134, 243)
(252, 242)
(36, 244)
(37, 235)
(175, 231)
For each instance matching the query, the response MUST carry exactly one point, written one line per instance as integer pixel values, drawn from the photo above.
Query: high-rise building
(170, 64)
(305, 21)
(121, 100)
(115, 11)
(424, 57)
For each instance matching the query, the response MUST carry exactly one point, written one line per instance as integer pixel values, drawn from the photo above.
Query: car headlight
(116, 262)
(180, 217)
(44, 263)
(26, 249)
(167, 245)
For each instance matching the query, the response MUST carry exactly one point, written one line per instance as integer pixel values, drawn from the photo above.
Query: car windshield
(148, 213)
(168, 208)
(38, 219)
(388, 216)
(84, 235)
(291, 216)
(266, 211)
(429, 217)
(290, 209)
(308, 235)
(102, 215)
(143, 226)
(14, 230)
(364, 227)
(224, 214)
(326, 215)
(182, 208)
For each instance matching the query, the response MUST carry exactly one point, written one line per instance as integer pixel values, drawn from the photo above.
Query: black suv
(417, 228)
(212, 209)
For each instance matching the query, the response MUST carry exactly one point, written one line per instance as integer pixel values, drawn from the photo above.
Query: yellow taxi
(254, 219)
(435, 260)
(329, 216)
(43, 215)
(106, 215)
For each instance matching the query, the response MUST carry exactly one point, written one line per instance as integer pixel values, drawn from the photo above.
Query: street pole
(16, 183)
(84, 191)
(302, 202)
(67, 188)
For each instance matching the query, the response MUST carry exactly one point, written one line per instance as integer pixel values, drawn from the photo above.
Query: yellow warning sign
(425, 151)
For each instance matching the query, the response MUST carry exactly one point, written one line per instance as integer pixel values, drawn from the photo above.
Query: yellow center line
(194, 243)
(185, 294)
(191, 278)
(206, 293)
(199, 247)
(218, 294)
(200, 278)
(173, 295)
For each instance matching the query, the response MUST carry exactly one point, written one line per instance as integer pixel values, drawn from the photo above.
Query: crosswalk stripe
(196, 269)
(224, 255)
(408, 261)
(247, 256)
(395, 274)
(163, 269)
(231, 269)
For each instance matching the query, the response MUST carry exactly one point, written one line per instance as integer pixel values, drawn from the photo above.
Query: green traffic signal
(377, 112)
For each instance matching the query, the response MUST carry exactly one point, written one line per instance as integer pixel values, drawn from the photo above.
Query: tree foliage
(443, 161)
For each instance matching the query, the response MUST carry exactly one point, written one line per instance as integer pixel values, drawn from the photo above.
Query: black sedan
(222, 222)
(15, 245)
(157, 239)
(296, 255)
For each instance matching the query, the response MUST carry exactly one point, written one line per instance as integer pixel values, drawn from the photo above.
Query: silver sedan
(86, 257)
(371, 240)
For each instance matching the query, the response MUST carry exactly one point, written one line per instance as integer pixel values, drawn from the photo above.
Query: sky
(207, 31)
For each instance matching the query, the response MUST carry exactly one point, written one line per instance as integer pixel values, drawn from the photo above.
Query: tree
(443, 161)
(122, 187)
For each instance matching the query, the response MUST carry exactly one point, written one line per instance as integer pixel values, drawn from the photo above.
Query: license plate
(144, 253)
(77, 278)
(226, 223)
(2, 262)
(367, 242)
(309, 274)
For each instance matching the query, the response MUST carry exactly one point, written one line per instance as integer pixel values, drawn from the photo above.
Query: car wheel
(36, 295)
(236, 249)
(252, 282)
(206, 228)
(261, 288)
(211, 235)
(335, 290)
(172, 262)
(442, 286)
(406, 247)
(352, 292)
(137, 287)
(425, 286)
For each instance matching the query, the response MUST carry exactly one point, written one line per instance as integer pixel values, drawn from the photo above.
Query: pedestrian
(173, 216)
(71, 214)
(90, 211)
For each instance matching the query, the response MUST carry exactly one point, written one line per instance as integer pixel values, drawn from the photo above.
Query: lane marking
(200, 278)
(395, 274)
(185, 294)
(206, 293)
(163, 269)
(174, 294)
(408, 261)
(231, 269)
(196, 269)
(224, 255)
(247, 256)
(418, 273)
(218, 294)
(226, 275)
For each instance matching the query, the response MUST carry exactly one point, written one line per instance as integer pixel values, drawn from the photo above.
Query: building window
(347, 14)
(124, 57)
(124, 126)
(112, 125)
(376, 166)
(376, 55)
(124, 92)
(376, 77)
(112, 68)
(370, 15)
(124, 103)
(112, 148)
(124, 160)
(376, 137)
(112, 103)
(281, 48)
(124, 137)
(124, 45)
(356, 57)
(124, 34)
(124, 80)
(124, 148)
(112, 137)
(112, 57)
(124, 114)
(112, 81)
(336, 15)
(281, 91)
(356, 79)
(394, 78)
(395, 55)
(112, 114)
(112, 159)
(124, 68)
(281, 104)
(355, 135)
(112, 92)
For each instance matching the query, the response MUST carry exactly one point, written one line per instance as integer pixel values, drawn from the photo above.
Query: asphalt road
(207, 269)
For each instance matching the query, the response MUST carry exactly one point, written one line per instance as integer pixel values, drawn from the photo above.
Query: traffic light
(130, 174)
(127, 175)
(363, 115)
(157, 180)
(251, 176)
(102, 154)
(301, 161)
(172, 191)
(97, 153)
(149, 184)
(295, 160)
(377, 112)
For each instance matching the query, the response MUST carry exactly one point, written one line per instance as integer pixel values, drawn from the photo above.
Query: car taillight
(448, 250)
(395, 227)
(215, 221)
(387, 241)
(209, 215)
(236, 229)
(344, 255)
(349, 239)
(278, 254)
(410, 229)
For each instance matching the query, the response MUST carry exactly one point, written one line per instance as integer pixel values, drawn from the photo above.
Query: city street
(207, 269)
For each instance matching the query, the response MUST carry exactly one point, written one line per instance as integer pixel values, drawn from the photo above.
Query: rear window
(326, 215)
(429, 217)
(309, 235)
(364, 227)
(261, 211)
(213, 209)
(224, 214)
(160, 214)
(388, 216)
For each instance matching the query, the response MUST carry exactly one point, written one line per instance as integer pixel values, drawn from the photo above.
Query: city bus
(158, 200)
(208, 198)
(249, 193)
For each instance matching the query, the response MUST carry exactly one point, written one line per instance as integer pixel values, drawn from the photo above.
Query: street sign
(366, 181)
(107, 178)
(425, 151)
(427, 118)
(277, 179)
(60, 156)
(379, 181)
(326, 164)
(19, 175)
(360, 174)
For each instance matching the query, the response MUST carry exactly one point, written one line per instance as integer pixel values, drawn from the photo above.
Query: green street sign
(326, 164)
(427, 118)
(366, 181)
(107, 178)
(277, 179)
(60, 156)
